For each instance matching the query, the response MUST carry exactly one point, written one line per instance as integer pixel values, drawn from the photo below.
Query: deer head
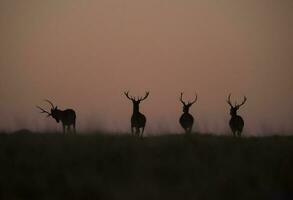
(54, 111)
(136, 101)
(186, 106)
(233, 109)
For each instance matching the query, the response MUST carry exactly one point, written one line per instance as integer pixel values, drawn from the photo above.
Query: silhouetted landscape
(146, 99)
(119, 166)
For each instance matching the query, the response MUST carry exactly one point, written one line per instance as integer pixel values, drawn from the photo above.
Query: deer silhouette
(138, 120)
(236, 122)
(186, 120)
(67, 117)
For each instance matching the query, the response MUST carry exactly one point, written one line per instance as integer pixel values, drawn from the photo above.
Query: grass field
(96, 166)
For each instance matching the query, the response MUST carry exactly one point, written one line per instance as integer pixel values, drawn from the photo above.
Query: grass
(96, 166)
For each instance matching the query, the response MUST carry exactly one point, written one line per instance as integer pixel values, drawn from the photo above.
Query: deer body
(67, 117)
(236, 122)
(186, 120)
(138, 120)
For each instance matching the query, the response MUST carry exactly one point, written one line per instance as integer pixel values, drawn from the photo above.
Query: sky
(85, 54)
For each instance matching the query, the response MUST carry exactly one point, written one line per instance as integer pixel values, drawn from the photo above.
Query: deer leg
(74, 129)
(190, 130)
(142, 131)
(137, 131)
(131, 130)
(239, 133)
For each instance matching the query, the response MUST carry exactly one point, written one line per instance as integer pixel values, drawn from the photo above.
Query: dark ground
(56, 166)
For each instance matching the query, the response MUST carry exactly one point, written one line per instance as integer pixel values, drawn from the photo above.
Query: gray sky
(84, 54)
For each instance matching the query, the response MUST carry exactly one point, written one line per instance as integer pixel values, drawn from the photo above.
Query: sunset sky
(84, 54)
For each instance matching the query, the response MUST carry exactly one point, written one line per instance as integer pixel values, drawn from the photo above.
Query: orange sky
(84, 54)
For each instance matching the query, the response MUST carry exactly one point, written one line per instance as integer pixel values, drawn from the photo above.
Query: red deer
(138, 120)
(67, 117)
(236, 122)
(186, 119)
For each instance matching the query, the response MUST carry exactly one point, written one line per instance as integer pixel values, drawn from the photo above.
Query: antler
(229, 100)
(236, 105)
(146, 96)
(50, 103)
(243, 102)
(44, 111)
(129, 97)
(189, 103)
(193, 100)
(181, 94)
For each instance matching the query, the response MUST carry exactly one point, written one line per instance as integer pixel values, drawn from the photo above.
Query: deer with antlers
(236, 122)
(138, 120)
(186, 119)
(67, 117)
